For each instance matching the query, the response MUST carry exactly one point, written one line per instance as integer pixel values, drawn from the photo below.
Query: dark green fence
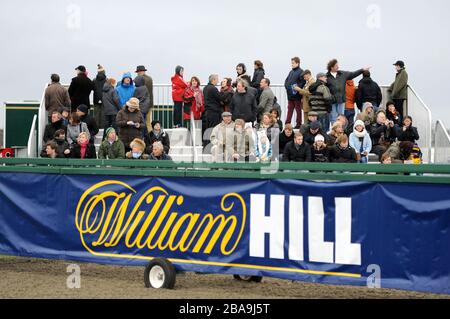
(302, 171)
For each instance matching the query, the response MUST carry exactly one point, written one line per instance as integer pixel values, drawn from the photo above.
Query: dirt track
(32, 278)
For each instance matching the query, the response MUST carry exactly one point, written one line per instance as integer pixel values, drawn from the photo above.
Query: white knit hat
(319, 138)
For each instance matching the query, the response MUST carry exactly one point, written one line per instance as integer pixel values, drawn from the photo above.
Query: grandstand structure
(186, 143)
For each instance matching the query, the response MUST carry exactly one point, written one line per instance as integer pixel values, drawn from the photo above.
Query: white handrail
(442, 146)
(429, 122)
(42, 119)
(32, 145)
(193, 137)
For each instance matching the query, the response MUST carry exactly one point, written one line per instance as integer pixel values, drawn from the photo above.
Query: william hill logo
(115, 220)
(106, 219)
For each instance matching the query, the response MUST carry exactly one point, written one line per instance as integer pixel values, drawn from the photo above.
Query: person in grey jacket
(142, 94)
(75, 128)
(111, 104)
(243, 103)
(336, 80)
(267, 99)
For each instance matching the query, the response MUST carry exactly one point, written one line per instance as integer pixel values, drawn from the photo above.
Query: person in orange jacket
(350, 93)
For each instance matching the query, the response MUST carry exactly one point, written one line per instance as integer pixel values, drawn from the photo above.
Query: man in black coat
(80, 88)
(336, 81)
(83, 113)
(99, 83)
(213, 99)
(243, 104)
(55, 125)
(314, 130)
(342, 152)
(297, 150)
(368, 91)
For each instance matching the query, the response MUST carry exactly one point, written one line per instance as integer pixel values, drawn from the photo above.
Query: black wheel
(248, 278)
(160, 274)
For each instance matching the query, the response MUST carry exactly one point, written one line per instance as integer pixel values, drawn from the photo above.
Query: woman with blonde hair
(336, 131)
(269, 125)
(83, 149)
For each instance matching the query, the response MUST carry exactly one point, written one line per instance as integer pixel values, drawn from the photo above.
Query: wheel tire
(160, 274)
(257, 279)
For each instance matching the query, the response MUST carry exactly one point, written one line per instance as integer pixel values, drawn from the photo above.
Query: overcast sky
(41, 37)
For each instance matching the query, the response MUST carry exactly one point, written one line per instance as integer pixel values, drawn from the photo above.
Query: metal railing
(32, 149)
(442, 144)
(421, 113)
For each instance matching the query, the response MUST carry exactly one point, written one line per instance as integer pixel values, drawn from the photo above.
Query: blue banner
(347, 233)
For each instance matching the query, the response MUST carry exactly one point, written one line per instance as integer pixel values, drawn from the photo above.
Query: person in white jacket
(360, 140)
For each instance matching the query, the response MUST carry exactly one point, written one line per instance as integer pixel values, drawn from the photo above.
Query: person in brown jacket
(130, 122)
(307, 76)
(56, 96)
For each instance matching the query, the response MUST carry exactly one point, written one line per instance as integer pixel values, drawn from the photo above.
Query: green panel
(18, 121)
(301, 171)
(164, 113)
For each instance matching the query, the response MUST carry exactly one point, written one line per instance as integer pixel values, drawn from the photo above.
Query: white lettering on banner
(261, 224)
(320, 251)
(346, 252)
(341, 251)
(296, 228)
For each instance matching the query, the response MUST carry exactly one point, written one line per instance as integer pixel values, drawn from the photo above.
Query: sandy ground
(33, 278)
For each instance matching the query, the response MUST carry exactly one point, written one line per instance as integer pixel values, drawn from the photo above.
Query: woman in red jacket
(194, 102)
(178, 88)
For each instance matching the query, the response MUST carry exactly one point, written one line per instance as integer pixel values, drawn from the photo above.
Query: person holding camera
(407, 133)
(130, 123)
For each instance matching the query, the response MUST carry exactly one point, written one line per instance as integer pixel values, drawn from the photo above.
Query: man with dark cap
(83, 113)
(312, 117)
(80, 88)
(399, 89)
(141, 71)
(314, 130)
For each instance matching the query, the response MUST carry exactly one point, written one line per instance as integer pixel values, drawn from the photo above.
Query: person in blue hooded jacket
(125, 89)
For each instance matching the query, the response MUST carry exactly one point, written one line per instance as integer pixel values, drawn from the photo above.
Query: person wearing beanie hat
(111, 104)
(321, 100)
(99, 83)
(137, 150)
(130, 122)
(368, 115)
(320, 152)
(80, 89)
(111, 147)
(319, 138)
(157, 134)
(399, 88)
(360, 140)
(83, 113)
(314, 130)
